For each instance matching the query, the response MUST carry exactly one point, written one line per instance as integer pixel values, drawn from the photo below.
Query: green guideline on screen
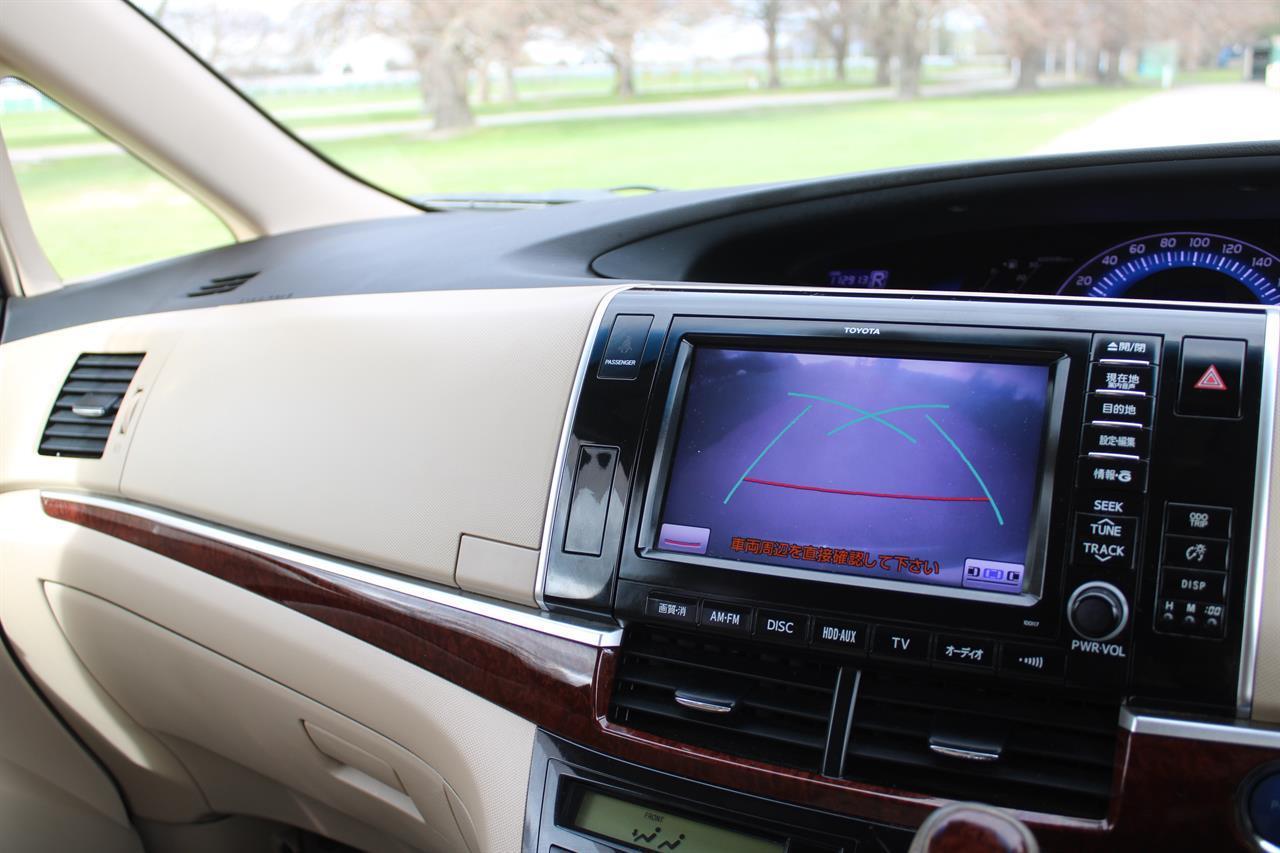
(649, 829)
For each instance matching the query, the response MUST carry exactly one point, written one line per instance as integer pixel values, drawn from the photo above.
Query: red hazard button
(1210, 382)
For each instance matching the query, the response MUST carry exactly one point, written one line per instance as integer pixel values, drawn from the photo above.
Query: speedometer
(1180, 265)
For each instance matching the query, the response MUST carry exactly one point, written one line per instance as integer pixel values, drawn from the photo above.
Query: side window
(94, 207)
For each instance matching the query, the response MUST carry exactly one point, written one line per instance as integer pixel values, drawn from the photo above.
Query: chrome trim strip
(1257, 565)
(964, 753)
(938, 295)
(555, 625)
(566, 433)
(705, 705)
(1237, 734)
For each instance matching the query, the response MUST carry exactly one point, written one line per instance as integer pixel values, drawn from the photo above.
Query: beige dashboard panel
(481, 751)
(191, 696)
(32, 371)
(379, 428)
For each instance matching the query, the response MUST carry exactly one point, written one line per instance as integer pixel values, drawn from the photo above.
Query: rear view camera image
(905, 469)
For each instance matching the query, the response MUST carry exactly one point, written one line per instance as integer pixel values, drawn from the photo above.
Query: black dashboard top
(935, 227)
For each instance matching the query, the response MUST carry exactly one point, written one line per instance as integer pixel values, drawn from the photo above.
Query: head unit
(1053, 490)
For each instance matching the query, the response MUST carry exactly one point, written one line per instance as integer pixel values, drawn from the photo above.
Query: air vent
(1055, 751)
(87, 405)
(225, 284)
(1020, 745)
(779, 703)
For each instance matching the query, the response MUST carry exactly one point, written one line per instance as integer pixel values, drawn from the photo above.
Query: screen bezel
(1056, 361)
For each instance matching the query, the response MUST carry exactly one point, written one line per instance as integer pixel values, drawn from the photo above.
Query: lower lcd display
(647, 828)
(906, 469)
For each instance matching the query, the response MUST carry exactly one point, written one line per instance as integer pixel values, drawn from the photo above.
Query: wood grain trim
(1172, 794)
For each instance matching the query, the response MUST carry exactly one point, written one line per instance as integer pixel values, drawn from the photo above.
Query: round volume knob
(1097, 611)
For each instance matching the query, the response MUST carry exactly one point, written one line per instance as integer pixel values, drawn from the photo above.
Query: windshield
(561, 99)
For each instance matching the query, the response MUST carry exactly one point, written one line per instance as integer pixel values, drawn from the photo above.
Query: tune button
(1097, 611)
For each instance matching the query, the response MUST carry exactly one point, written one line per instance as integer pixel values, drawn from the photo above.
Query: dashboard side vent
(86, 408)
(761, 703)
(224, 284)
(1009, 745)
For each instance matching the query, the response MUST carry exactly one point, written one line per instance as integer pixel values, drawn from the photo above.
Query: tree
(913, 20)
(1025, 27)
(834, 22)
(613, 26)
(882, 34)
(769, 14)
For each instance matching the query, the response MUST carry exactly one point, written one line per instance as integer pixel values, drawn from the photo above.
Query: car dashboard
(778, 517)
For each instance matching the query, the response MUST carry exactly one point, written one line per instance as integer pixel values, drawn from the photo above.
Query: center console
(933, 545)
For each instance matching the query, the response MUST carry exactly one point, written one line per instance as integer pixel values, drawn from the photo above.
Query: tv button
(729, 618)
(782, 627)
(1037, 661)
(965, 651)
(900, 644)
(840, 636)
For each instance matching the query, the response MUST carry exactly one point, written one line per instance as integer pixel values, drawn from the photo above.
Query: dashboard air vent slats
(86, 408)
(1056, 753)
(223, 284)
(917, 730)
(781, 701)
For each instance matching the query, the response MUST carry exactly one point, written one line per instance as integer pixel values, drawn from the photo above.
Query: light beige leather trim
(190, 695)
(24, 267)
(480, 750)
(377, 428)
(497, 569)
(32, 371)
(53, 795)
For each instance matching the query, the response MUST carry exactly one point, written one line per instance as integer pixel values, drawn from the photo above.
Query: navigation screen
(903, 469)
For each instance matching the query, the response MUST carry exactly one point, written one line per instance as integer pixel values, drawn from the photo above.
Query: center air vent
(779, 704)
(917, 730)
(225, 284)
(87, 405)
(1018, 746)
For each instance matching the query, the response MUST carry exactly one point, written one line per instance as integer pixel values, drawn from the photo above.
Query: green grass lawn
(701, 150)
(99, 213)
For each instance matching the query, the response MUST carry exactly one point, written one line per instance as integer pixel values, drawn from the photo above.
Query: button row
(1191, 618)
(1194, 571)
(1115, 446)
(858, 638)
